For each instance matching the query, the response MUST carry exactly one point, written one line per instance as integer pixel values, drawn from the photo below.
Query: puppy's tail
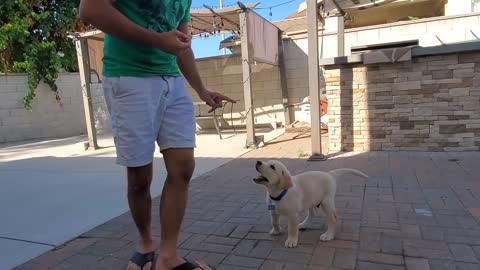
(339, 172)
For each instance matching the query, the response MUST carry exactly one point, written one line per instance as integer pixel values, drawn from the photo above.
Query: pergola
(335, 11)
(239, 20)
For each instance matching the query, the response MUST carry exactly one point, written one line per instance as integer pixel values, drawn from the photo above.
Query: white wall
(430, 32)
(457, 7)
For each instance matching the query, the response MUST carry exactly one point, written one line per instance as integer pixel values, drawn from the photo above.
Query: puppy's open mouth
(260, 179)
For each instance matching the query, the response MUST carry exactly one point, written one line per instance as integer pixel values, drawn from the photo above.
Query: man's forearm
(186, 63)
(102, 15)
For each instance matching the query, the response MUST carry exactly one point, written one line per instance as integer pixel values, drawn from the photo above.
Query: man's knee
(180, 165)
(139, 179)
(182, 169)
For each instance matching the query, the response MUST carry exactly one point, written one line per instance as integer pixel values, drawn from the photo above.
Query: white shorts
(145, 110)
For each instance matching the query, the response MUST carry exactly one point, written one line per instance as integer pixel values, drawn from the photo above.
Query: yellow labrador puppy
(288, 195)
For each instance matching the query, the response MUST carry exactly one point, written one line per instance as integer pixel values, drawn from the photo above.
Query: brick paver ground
(417, 211)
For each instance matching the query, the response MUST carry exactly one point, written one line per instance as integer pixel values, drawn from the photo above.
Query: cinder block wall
(429, 104)
(47, 118)
(224, 74)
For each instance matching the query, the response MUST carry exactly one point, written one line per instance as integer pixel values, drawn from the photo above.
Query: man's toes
(132, 266)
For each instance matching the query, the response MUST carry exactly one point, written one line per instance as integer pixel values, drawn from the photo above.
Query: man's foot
(142, 259)
(179, 264)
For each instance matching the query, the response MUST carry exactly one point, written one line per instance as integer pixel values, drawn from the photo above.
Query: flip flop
(188, 265)
(141, 259)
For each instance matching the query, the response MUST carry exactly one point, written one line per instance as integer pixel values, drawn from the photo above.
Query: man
(147, 44)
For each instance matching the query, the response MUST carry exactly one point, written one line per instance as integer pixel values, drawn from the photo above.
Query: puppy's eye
(272, 166)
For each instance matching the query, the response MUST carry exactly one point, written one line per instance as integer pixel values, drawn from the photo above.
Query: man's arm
(186, 63)
(105, 17)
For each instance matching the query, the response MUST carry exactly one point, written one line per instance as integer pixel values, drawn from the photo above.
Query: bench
(201, 113)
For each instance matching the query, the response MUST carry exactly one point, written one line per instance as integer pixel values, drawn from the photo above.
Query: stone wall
(429, 104)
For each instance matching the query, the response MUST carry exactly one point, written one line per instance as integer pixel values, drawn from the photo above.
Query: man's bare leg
(180, 164)
(140, 203)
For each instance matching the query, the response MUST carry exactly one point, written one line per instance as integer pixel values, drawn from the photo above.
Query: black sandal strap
(142, 259)
(187, 266)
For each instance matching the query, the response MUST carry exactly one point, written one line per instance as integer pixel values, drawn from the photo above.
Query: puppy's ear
(285, 180)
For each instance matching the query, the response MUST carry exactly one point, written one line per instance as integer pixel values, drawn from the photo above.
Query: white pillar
(314, 80)
(247, 60)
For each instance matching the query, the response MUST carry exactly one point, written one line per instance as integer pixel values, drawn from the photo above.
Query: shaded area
(416, 209)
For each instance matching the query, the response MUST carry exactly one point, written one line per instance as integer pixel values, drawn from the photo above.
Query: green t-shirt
(124, 58)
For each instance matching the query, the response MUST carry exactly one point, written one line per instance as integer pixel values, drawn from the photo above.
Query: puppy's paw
(291, 242)
(275, 231)
(326, 237)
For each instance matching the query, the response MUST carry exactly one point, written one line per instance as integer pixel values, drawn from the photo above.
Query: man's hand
(213, 99)
(174, 42)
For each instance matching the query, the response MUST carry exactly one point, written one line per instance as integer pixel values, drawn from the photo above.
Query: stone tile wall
(429, 104)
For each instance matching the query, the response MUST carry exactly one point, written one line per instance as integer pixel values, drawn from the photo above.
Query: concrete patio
(54, 191)
(417, 211)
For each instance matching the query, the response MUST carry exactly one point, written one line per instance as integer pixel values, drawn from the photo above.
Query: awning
(213, 21)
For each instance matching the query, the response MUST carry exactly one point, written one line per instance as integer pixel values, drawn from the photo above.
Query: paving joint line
(27, 241)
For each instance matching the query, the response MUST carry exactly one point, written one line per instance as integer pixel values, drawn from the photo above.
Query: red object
(323, 106)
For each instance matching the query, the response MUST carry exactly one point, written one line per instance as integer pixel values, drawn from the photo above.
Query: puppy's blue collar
(279, 197)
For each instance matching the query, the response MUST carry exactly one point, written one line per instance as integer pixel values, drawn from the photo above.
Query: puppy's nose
(259, 163)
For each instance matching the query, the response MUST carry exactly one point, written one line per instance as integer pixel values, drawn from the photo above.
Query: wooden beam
(201, 20)
(85, 80)
(313, 80)
(339, 9)
(247, 60)
(96, 38)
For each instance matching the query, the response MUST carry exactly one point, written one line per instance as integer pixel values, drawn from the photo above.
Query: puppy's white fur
(306, 191)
